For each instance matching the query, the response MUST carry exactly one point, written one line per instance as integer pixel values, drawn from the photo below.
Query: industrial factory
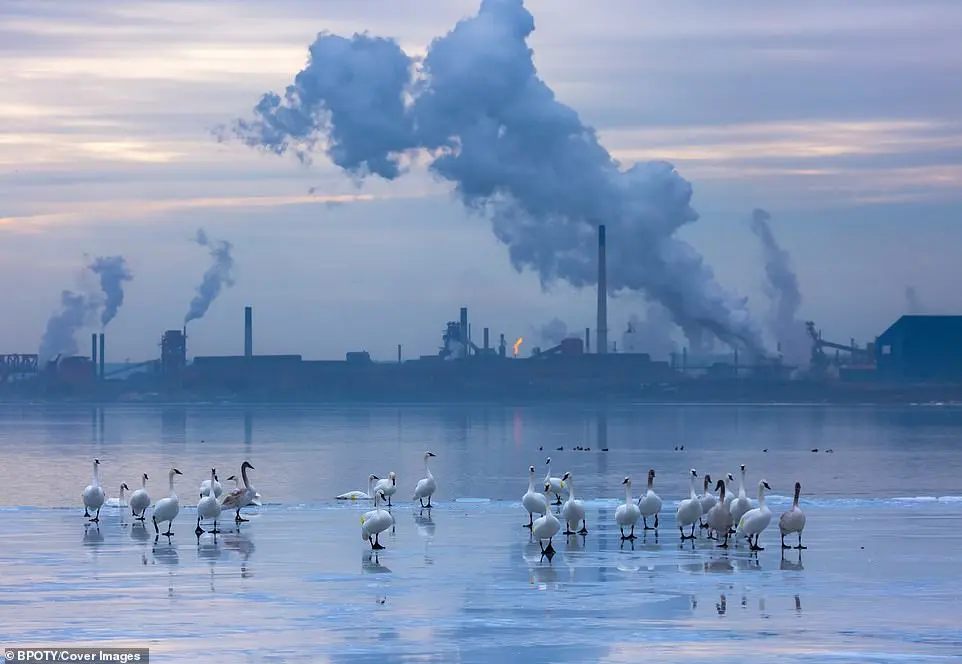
(917, 358)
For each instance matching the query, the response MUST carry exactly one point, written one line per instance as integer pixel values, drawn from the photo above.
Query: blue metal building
(921, 349)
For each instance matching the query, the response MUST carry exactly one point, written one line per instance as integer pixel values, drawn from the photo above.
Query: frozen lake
(463, 583)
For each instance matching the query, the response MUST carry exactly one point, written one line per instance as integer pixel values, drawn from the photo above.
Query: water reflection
(371, 564)
(791, 565)
(241, 543)
(173, 425)
(92, 535)
(138, 532)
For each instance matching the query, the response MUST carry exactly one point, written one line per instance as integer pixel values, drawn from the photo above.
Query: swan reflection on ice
(370, 564)
(138, 532)
(791, 565)
(92, 535)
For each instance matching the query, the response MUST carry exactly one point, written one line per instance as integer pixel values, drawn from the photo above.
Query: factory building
(921, 349)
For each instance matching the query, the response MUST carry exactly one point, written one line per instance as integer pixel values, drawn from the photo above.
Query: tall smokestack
(464, 329)
(587, 339)
(93, 353)
(248, 332)
(602, 293)
(101, 358)
(486, 339)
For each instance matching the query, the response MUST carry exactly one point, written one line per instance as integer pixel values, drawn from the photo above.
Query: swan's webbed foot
(568, 531)
(692, 532)
(168, 533)
(684, 537)
(785, 546)
(86, 513)
(753, 546)
(583, 531)
(800, 543)
(239, 519)
(376, 546)
(198, 531)
(156, 529)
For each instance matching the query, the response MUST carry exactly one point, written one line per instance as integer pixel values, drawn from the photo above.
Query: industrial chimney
(101, 358)
(93, 354)
(602, 293)
(248, 332)
(464, 330)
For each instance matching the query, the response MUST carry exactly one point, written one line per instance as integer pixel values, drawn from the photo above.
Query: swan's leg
(86, 512)
(568, 530)
(800, 541)
(584, 527)
(170, 524)
(238, 518)
(215, 531)
(692, 532)
(377, 544)
(198, 530)
(96, 518)
(557, 499)
(623, 532)
(631, 535)
(644, 520)
(530, 520)
(785, 546)
(656, 521)
(429, 502)
(389, 501)
(724, 545)
(156, 529)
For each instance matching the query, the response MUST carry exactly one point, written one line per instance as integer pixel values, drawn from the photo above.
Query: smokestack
(101, 358)
(464, 329)
(501, 348)
(602, 293)
(248, 332)
(93, 353)
(486, 339)
(587, 339)
(399, 353)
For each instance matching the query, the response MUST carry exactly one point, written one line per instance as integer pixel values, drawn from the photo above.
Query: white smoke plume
(781, 286)
(653, 334)
(113, 272)
(491, 126)
(913, 304)
(217, 276)
(554, 332)
(60, 336)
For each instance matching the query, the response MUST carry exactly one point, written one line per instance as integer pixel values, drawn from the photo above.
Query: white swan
(573, 510)
(793, 521)
(547, 526)
(729, 494)
(205, 488)
(241, 496)
(427, 486)
(120, 499)
(360, 495)
(167, 508)
(94, 495)
(139, 500)
(533, 501)
(707, 500)
(650, 503)
(627, 514)
(689, 509)
(208, 507)
(557, 484)
(742, 504)
(720, 517)
(753, 522)
(387, 486)
(375, 522)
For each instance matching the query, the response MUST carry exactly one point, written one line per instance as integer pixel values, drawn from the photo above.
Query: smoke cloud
(113, 272)
(781, 286)
(554, 331)
(217, 276)
(652, 334)
(492, 127)
(913, 305)
(59, 338)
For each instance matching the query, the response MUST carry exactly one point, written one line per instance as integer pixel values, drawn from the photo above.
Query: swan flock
(725, 516)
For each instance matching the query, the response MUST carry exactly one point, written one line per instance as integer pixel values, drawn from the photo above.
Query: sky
(841, 120)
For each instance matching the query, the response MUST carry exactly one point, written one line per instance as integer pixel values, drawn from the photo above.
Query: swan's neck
(795, 502)
(571, 489)
(121, 494)
(761, 496)
(171, 476)
(531, 482)
(212, 480)
(96, 475)
(691, 486)
(247, 484)
(627, 494)
(377, 501)
(651, 481)
(427, 471)
(143, 482)
(370, 487)
(741, 486)
(721, 496)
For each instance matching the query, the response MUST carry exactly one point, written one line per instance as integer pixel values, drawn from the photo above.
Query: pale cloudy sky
(840, 119)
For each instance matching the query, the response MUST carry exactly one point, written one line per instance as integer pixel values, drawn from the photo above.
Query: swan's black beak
(767, 487)
(625, 481)
(145, 476)
(177, 472)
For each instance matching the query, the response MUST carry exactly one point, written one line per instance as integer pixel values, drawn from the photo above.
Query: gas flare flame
(517, 345)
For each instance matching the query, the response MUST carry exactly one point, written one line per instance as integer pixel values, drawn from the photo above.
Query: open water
(462, 582)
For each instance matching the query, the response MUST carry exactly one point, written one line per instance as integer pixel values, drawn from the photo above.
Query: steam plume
(76, 311)
(781, 286)
(554, 331)
(494, 129)
(913, 304)
(113, 272)
(652, 334)
(218, 275)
